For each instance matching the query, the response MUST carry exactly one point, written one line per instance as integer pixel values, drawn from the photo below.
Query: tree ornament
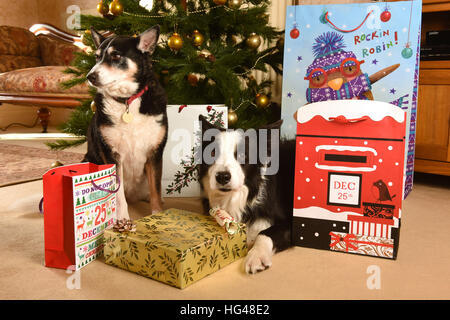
(93, 106)
(102, 8)
(234, 4)
(147, 4)
(220, 2)
(197, 38)
(211, 58)
(262, 100)
(116, 8)
(407, 52)
(385, 16)
(204, 54)
(295, 33)
(232, 117)
(253, 41)
(192, 79)
(234, 40)
(322, 17)
(175, 41)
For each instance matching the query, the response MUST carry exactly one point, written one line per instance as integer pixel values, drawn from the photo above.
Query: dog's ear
(97, 38)
(205, 123)
(148, 39)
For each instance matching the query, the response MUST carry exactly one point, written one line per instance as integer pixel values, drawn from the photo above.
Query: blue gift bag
(366, 51)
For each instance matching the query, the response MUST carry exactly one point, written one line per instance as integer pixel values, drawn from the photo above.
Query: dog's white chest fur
(133, 141)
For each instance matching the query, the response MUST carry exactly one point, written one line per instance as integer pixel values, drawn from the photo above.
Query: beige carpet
(422, 270)
(19, 163)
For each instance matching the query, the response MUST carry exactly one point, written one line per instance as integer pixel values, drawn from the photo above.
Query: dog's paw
(259, 258)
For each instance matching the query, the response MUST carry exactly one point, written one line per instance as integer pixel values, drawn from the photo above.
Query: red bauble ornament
(385, 16)
(294, 33)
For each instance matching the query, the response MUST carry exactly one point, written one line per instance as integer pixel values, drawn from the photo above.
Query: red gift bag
(349, 177)
(79, 203)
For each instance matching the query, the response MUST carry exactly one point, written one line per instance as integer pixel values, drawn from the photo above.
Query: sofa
(31, 69)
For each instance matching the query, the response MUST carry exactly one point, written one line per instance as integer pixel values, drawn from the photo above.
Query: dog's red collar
(137, 95)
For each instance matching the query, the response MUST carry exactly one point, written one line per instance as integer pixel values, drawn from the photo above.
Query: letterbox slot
(345, 158)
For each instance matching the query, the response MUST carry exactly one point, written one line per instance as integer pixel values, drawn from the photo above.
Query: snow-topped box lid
(350, 109)
(363, 118)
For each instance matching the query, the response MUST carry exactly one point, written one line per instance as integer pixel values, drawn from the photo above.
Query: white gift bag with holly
(180, 177)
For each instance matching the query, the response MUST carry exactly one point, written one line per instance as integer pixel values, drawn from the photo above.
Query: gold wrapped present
(175, 246)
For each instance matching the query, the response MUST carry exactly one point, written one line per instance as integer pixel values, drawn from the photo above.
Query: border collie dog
(238, 185)
(129, 127)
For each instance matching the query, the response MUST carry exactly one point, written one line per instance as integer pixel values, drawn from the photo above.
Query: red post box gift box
(349, 177)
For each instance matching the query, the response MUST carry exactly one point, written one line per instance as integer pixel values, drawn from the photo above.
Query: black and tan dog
(129, 127)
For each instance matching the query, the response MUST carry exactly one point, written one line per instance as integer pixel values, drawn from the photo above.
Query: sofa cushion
(10, 62)
(18, 42)
(19, 48)
(46, 79)
(56, 53)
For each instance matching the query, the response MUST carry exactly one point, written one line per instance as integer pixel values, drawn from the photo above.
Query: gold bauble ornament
(232, 117)
(262, 100)
(102, 8)
(93, 107)
(253, 41)
(220, 2)
(234, 4)
(175, 41)
(116, 8)
(197, 38)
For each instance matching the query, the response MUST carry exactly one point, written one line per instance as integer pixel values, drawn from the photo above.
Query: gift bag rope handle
(41, 203)
(342, 30)
(342, 119)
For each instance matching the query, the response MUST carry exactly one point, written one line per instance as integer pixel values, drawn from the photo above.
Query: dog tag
(127, 117)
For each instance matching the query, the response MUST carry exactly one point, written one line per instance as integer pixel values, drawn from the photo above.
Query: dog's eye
(115, 57)
(97, 57)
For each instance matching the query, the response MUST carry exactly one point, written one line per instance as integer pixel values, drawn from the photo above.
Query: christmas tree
(207, 52)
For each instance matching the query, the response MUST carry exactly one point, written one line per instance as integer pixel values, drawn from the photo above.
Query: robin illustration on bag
(335, 74)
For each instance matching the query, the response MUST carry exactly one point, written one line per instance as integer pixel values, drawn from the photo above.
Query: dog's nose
(93, 78)
(223, 177)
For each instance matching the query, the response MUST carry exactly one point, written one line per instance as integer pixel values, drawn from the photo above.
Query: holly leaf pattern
(199, 248)
(189, 172)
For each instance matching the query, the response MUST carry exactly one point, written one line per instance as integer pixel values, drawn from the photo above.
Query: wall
(54, 11)
(20, 13)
